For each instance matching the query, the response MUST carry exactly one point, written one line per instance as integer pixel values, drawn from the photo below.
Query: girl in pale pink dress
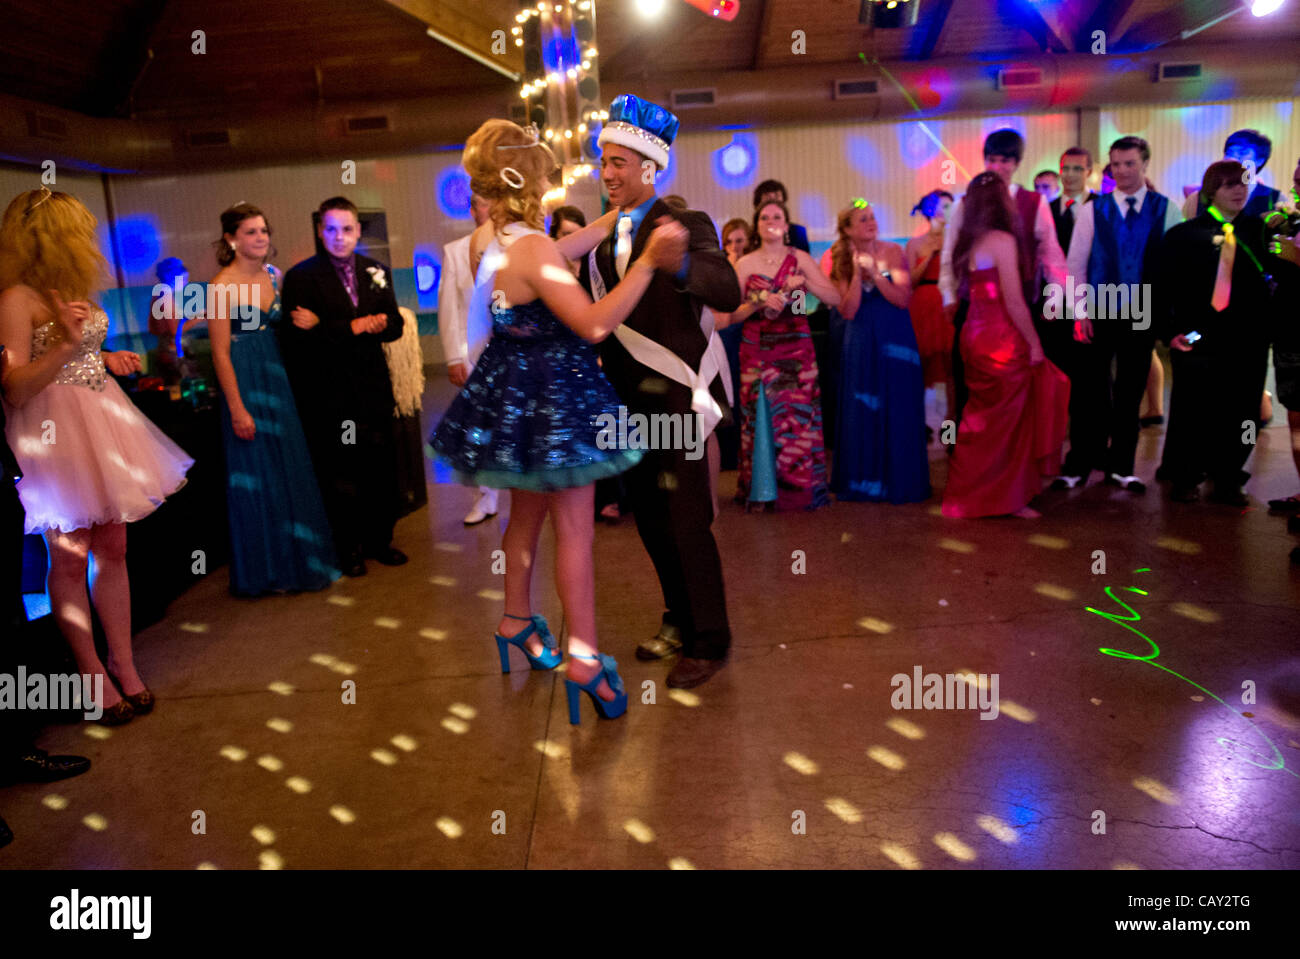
(91, 462)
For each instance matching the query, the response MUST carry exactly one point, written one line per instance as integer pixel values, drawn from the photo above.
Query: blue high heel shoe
(550, 657)
(607, 710)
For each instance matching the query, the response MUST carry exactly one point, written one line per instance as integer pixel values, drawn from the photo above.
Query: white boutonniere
(1218, 239)
(377, 279)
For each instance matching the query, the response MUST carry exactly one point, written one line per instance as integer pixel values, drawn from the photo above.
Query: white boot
(484, 509)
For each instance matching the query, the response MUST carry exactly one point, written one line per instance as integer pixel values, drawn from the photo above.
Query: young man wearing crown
(661, 362)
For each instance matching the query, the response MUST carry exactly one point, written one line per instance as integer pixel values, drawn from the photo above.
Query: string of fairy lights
(562, 94)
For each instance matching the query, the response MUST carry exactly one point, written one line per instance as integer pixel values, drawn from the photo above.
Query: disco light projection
(917, 107)
(454, 193)
(1127, 622)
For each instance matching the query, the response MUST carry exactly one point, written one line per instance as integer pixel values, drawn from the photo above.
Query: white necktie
(623, 245)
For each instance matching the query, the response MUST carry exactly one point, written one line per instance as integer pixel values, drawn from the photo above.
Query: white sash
(665, 362)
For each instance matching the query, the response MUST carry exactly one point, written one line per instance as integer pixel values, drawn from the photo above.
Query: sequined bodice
(530, 321)
(261, 320)
(86, 368)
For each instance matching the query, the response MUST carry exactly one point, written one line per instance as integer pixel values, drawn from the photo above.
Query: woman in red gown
(1014, 425)
(933, 329)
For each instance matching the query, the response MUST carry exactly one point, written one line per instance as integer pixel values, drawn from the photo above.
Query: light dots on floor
(194, 627)
(383, 756)
(1095, 701)
(845, 537)
(800, 763)
(1052, 591)
(956, 545)
(876, 625)
(1125, 865)
(905, 728)
(279, 725)
(387, 622)
(678, 862)
(404, 742)
(463, 710)
(54, 801)
(437, 635)
(443, 580)
(270, 763)
(495, 595)
(449, 547)
(205, 866)
(322, 659)
(1021, 714)
(281, 687)
(449, 827)
(639, 831)
(551, 750)
(94, 821)
(1048, 542)
(998, 829)
(263, 834)
(1193, 612)
(685, 697)
(1197, 699)
(899, 855)
(1174, 544)
(298, 784)
(844, 810)
(935, 511)
(337, 600)
(343, 814)
(95, 731)
(454, 724)
(270, 859)
(954, 847)
(1156, 790)
(342, 668)
(234, 753)
(886, 757)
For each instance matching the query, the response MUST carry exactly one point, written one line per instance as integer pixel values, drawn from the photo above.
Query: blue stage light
(454, 193)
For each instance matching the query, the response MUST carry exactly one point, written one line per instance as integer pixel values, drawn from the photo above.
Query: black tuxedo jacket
(1189, 265)
(668, 313)
(337, 374)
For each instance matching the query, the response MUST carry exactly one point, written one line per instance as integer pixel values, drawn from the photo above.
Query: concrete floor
(791, 757)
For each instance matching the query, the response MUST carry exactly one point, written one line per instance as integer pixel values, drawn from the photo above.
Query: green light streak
(1127, 622)
(917, 107)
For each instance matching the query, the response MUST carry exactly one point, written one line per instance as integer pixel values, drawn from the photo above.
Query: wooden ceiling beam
(467, 27)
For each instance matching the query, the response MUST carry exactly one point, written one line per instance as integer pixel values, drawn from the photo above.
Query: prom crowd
(1034, 313)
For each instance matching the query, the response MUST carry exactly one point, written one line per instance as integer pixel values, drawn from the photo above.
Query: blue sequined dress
(530, 415)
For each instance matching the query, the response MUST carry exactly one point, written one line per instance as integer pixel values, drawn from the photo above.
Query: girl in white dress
(91, 461)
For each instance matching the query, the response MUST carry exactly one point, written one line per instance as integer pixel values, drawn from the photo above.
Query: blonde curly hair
(493, 147)
(47, 242)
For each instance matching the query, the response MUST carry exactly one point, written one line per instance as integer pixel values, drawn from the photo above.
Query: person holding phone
(1218, 330)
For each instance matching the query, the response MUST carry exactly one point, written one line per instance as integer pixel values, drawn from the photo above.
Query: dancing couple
(527, 418)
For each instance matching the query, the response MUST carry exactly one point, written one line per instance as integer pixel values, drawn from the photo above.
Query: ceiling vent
(46, 127)
(1026, 78)
(1166, 72)
(684, 99)
(851, 89)
(203, 139)
(377, 124)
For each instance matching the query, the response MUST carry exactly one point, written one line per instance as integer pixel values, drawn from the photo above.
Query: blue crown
(650, 117)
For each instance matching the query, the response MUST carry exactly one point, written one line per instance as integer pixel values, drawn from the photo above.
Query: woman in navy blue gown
(880, 442)
(280, 538)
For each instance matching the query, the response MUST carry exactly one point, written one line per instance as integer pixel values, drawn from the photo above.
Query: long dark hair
(755, 241)
(986, 207)
(230, 221)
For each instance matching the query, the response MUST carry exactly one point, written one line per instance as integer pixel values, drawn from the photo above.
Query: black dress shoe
(389, 556)
(38, 766)
(1229, 496)
(690, 672)
(1066, 481)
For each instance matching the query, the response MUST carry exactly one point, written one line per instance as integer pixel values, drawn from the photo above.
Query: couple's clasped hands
(305, 319)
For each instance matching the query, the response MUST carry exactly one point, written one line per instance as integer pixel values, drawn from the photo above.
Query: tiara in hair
(45, 195)
(534, 138)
